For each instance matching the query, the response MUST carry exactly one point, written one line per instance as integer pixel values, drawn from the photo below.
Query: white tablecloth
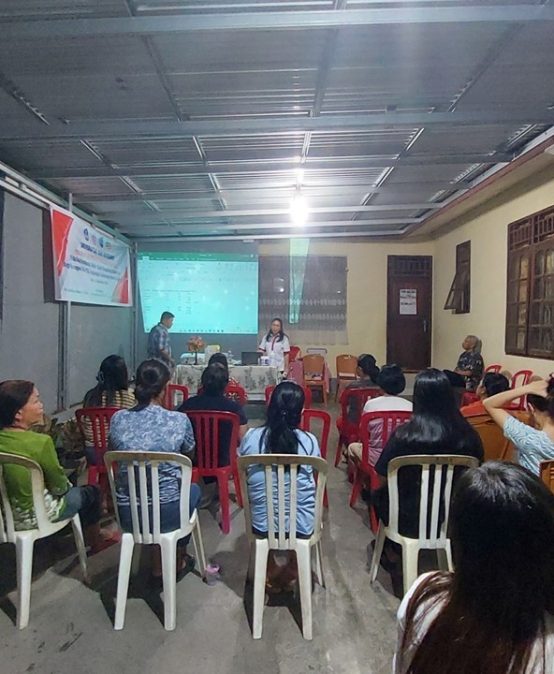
(253, 378)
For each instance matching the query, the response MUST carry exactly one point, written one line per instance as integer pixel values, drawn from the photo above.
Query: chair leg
(324, 393)
(125, 560)
(169, 573)
(303, 555)
(410, 559)
(80, 544)
(356, 487)
(223, 488)
(199, 547)
(24, 559)
(377, 552)
(325, 499)
(373, 520)
(338, 453)
(261, 551)
(92, 475)
(318, 563)
(238, 493)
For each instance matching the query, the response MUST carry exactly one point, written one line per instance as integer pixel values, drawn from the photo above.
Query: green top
(39, 448)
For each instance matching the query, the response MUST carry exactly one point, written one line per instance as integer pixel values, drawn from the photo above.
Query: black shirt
(217, 404)
(462, 441)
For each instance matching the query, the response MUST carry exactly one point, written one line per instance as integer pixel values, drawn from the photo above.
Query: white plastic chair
(148, 533)
(432, 536)
(259, 547)
(24, 540)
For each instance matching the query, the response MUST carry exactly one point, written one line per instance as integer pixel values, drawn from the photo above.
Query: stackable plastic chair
(437, 473)
(24, 540)
(175, 395)
(364, 470)
(307, 395)
(207, 426)
(314, 373)
(277, 467)
(99, 419)
(495, 369)
(309, 419)
(143, 486)
(346, 371)
(237, 393)
(496, 446)
(349, 431)
(295, 353)
(520, 378)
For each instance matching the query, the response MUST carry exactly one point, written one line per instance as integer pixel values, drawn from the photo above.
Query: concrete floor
(71, 625)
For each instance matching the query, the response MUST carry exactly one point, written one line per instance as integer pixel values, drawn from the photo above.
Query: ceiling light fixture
(299, 210)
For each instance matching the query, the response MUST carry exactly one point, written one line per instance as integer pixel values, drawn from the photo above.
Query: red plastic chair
(495, 369)
(520, 378)
(170, 391)
(309, 416)
(349, 430)
(468, 398)
(232, 391)
(99, 419)
(295, 353)
(363, 470)
(206, 426)
(307, 396)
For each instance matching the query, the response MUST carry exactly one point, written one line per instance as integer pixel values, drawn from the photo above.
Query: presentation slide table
(253, 378)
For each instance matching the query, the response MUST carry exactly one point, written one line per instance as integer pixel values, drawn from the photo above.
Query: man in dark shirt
(214, 380)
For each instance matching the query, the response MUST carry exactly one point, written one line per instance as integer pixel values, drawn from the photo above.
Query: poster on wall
(408, 302)
(90, 266)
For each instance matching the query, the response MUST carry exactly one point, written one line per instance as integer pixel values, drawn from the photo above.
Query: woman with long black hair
(495, 613)
(281, 434)
(276, 346)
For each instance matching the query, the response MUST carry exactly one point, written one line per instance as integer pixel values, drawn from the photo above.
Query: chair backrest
(521, 378)
(547, 474)
(319, 350)
(495, 369)
(7, 527)
(236, 392)
(314, 366)
(171, 398)
(295, 353)
(468, 397)
(207, 426)
(309, 419)
(143, 486)
(388, 423)
(307, 395)
(437, 474)
(281, 470)
(496, 447)
(346, 366)
(352, 401)
(99, 419)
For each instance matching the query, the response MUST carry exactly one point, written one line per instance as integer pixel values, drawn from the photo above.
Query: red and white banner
(90, 266)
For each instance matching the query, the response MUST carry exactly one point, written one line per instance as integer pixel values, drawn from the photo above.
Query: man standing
(158, 340)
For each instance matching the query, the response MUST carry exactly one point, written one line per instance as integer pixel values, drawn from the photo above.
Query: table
(253, 378)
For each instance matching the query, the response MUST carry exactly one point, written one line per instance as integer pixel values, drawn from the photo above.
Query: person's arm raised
(495, 404)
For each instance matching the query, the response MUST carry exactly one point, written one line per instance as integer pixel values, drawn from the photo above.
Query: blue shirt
(152, 429)
(158, 340)
(305, 488)
(533, 446)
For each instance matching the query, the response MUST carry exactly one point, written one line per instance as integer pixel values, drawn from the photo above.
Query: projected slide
(208, 292)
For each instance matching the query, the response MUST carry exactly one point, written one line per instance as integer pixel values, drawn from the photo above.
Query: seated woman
(436, 427)
(112, 390)
(533, 444)
(392, 382)
(20, 409)
(469, 368)
(149, 427)
(281, 434)
(495, 613)
(491, 384)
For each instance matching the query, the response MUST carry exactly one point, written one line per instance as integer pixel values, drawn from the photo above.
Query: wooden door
(409, 302)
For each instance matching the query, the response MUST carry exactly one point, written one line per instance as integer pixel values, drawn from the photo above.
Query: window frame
(459, 295)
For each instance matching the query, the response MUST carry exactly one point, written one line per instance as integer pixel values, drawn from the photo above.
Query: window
(459, 294)
(530, 286)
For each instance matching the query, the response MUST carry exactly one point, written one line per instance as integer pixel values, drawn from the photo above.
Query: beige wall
(486, 228)
(367, 291)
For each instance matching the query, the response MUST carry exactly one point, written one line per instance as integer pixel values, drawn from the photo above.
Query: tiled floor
(71, 625)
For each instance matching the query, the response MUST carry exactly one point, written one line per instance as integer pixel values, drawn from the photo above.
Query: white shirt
(388, 404)
(424, 617)
(275, 350)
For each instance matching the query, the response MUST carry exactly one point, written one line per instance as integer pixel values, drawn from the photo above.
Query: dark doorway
(409, 307)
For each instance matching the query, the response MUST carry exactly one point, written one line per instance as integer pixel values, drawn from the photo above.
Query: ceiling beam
(255, 237)
(19, 129)
(208, 168)
(284, 20)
